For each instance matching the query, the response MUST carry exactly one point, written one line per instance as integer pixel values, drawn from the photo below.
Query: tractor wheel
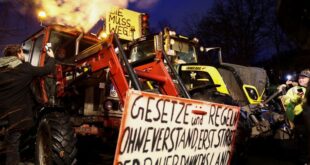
(55, 141)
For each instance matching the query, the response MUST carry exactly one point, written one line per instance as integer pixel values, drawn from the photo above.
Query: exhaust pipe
(77, 43)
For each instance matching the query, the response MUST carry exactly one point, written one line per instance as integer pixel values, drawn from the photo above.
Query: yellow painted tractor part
(201, 74)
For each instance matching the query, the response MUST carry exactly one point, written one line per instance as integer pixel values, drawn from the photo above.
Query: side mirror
(48, 46)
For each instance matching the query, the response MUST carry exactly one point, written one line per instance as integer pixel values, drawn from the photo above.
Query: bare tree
(241, 27)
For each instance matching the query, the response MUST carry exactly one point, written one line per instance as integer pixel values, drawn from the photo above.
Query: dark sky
(172, 12)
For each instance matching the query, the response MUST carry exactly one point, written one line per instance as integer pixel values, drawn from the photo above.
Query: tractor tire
(55, 141)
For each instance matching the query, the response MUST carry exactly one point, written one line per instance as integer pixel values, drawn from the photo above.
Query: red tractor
(86, 93)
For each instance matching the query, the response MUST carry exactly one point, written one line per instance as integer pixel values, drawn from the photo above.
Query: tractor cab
(62, 40)
(182, 53)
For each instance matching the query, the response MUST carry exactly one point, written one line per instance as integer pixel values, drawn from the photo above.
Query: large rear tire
(55, 141)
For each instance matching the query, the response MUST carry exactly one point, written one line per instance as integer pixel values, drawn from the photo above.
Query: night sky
(172, 12)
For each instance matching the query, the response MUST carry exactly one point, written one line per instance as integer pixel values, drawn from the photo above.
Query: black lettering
(167, 159)
(158, 110)
(140, 109)
(211, 138)
(131, 140)
(171, 139)
(217, 116)
(166, 136)
(186, 114)
(135, 162)
(200, 145)
(184, 160)
(128, 23)
(177, 141)
(148, 160)
(123, 22)
(173, 109)
(212, 113)
(194, 138)
(223, 117)
(126, 134)
(112, 18)
(194, 159)
(159, 139)
(163, 113)
(119, 13)
(182, 139)
(230, 117)
(147, 119)
(155, 138)
(205, 139)
(175, 159)
(140, 140)
(190, 136)
(158, 161)
(212, 158)
(145, 150)
(126, 162)
(179, 114)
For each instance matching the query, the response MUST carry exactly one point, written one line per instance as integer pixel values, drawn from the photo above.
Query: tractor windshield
(142, 50)
(185, 52)
(63, 45)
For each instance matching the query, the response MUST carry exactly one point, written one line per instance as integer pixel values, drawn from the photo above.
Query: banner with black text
(160, 129)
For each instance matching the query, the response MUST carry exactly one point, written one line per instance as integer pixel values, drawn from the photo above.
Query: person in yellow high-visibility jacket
(294, 98)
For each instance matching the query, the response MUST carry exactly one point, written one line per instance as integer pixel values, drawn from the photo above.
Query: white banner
(165, 130)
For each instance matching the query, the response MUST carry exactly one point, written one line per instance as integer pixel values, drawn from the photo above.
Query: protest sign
(159, 129)
(125, 23)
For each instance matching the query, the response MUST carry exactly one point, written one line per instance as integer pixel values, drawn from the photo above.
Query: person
(294, 97)
(16, 103)
(306, 117)
(61, 54)
(295, 101)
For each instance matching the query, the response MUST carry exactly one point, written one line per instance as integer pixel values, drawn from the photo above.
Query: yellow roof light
(172, 33)
(172, 41)
(201, 48)
(103, 35)
(42, 14)
(195, 40)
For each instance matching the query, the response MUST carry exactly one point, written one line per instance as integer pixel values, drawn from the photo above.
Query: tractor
(207, 77)
(86, 94)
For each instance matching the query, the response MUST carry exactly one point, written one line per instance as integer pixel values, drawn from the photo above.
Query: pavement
(92, 151)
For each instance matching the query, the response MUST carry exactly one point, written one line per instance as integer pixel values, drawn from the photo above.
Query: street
(92, 151)
(261, 152)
